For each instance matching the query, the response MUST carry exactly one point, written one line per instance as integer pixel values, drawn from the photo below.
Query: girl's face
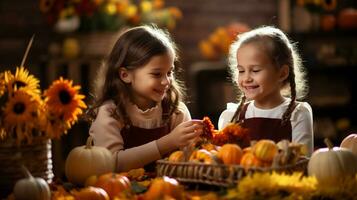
(150, 82)
(258, 78)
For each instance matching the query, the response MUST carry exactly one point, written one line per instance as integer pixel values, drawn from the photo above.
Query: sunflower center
(64, 97)
(19, 84)
(19, 108)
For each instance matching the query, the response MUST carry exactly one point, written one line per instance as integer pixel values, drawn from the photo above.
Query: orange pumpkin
(230, 154)
(176, 156)
(164, 187)
(209, 146)
(202, 155)
(249, 160)
(91, 193)
(113, 183)
(265, 150)
(350, 142)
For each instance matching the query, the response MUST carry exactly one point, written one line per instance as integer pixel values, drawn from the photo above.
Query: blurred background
(72, 37)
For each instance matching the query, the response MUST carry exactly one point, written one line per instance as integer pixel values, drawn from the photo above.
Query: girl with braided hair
(267, 69)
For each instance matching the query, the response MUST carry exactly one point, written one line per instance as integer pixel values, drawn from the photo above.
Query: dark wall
(21, 19)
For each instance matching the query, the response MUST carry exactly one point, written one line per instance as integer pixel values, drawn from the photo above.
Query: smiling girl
(138, 110)
(268, 71)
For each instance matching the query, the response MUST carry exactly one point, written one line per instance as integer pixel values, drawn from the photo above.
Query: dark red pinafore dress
(265, 128)
(134, 136)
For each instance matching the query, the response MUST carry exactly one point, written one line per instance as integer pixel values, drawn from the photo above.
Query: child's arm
(106, 132)
(302, 126)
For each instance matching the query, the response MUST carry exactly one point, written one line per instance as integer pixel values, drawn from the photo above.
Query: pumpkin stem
(89, 142)
(328, 143)
(26, 172)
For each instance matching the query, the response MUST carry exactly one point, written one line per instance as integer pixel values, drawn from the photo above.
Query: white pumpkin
(331, 165)
(350, 142)
(85, 161)
(31, 188)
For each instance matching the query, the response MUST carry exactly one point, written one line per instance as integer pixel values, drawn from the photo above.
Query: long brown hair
(133, 49)
(282, 52)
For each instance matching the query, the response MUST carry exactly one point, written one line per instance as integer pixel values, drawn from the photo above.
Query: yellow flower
(275, 186)
(22, 80)
(64, 101)
(146, 6)
(111, 9)
(21, 114)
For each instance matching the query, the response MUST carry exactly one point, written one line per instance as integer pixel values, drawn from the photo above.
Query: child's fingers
(192, 135)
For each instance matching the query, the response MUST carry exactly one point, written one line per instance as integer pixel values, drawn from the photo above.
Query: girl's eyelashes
(159, 74)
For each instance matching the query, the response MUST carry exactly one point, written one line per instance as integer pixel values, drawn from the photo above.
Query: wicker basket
(36, 157)
(217, 174)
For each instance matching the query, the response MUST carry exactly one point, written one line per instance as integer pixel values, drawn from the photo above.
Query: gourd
(31, 188)
(249, 160)
(177, 156)
(332, 165)
(113, 183)
(91, 193)
(202, 155)
(350, 142)
(164, 187)
(265, 150)
(88, 160)
(230, 154)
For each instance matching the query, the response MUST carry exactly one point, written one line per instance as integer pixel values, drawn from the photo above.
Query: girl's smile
(150, 82)
(258, 78)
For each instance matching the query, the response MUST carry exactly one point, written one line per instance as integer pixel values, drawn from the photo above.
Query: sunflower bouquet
(26, 113)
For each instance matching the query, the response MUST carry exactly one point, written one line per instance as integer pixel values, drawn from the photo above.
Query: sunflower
(22, 80)
(54, 127)
(274, 186)
(64, 101)
(21, 115)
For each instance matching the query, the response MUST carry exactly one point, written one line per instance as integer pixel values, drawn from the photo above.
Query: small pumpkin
(331, 165)
(31, 188)
(91, 193)
(230, 154)
(265, 150)
(350, 142)
(177, 156)
(164, 187)
(202, 155)
(249, 160)
(209, 146)
(113, 184)
(85, 161)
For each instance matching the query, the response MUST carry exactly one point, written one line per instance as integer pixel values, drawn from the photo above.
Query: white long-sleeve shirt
(301, 119)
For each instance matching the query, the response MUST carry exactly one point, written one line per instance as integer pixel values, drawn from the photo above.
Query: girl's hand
(181, 136)
(185, 132)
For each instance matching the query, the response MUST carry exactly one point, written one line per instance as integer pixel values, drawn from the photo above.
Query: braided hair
(283, 52)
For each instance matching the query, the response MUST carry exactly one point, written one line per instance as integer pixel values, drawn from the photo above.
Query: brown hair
(282, 52)
(133, 49)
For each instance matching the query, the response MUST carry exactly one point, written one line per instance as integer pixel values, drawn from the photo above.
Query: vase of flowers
(97, 23)
(29, 119)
